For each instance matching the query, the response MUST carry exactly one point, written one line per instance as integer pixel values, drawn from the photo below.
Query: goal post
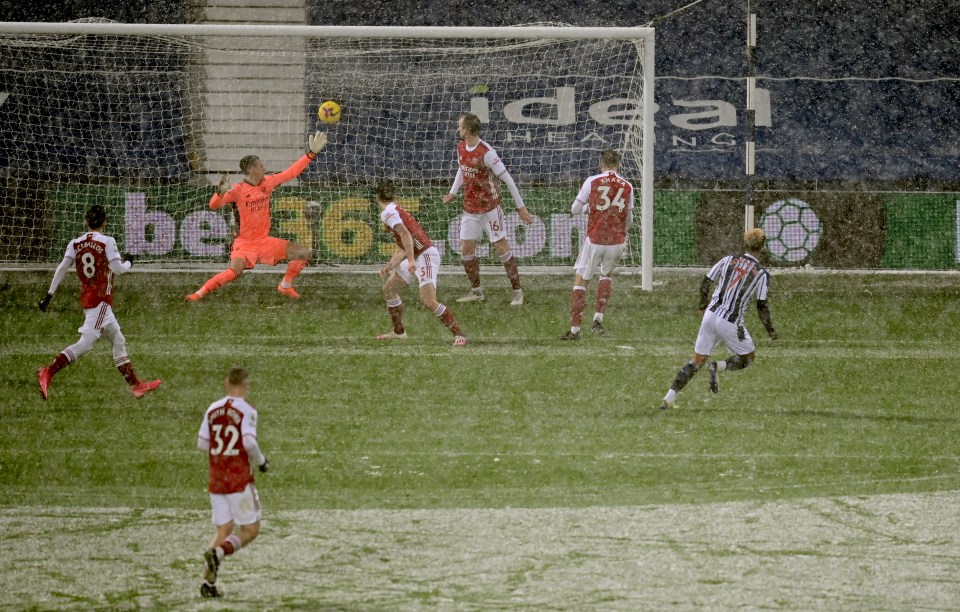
(144, 118)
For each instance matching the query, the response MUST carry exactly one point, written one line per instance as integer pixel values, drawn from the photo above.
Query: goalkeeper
(252, 243)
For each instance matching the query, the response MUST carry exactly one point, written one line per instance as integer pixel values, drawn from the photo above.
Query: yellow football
(329, 112)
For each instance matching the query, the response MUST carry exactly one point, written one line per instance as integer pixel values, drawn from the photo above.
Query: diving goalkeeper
(253, 243)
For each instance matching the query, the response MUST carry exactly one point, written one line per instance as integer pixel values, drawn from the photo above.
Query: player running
(253, 243)
(741, 277)
(415, 256)
(480, 173)
(97, 260)
(607, 199)
(228, 434)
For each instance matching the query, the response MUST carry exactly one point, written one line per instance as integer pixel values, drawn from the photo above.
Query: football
(329, 112)
(793, 230)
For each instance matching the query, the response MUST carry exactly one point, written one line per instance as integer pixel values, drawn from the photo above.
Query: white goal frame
(644, 34)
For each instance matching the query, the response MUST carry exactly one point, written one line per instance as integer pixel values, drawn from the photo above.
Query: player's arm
(455, 188)
(764, 313)
(407, 241)
(254, 452)
(315, 144)
(118, 266)
(705, 293)
(58, 277)
(504, 175)
(630, 211)
(582, 202)
(224, 194)
(203, 444)
(395, 259)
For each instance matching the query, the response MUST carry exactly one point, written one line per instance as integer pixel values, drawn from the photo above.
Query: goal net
(144, 119)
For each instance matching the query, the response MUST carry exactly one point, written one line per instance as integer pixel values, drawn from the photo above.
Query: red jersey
(480, 168)
(608, 198)
(393, 215)
(253, 201)
(92, 253)
(224, 425)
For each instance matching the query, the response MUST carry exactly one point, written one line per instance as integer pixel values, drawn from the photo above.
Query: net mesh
(145, 125)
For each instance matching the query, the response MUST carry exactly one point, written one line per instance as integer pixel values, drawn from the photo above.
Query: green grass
(858, 397)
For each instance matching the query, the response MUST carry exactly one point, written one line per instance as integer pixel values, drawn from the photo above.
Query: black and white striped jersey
(740, 278)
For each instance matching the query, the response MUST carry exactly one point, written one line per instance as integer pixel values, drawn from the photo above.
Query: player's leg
(93, 320)
(122, 360)
(740, 343)
(237, 265)
(428, 267)
(63, 359)
(497, 231)
(608, 262)
(583, 269)
(298, 256)
(706, 339)
(395, 283)
(578, 303)
(471, 229)
(241, 509)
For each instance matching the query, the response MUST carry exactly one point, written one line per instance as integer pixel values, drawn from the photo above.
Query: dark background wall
(859, 91)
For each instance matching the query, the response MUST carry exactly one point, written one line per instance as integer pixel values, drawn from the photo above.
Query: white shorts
(96, 318)
(242, 508)
(593, 256)
(428, 265)
(713, 330)
(472, 225)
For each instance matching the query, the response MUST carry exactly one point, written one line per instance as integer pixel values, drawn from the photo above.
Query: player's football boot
(211, 566)
(597, 328)
(43, 377)
(570, 336)
(209, 590)
(714, 378)
(392, 335)
(193, 297)
(290, 292)
(460, 341)
(142, 388)
(667, 405)
(517, 298)
(475, 295)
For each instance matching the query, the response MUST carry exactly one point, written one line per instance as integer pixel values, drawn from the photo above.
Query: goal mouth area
(162, 110)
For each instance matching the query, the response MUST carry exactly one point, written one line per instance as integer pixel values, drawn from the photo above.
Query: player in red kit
(607, 199)
(415, 257)
(480, 173)
(97, 261)
(253, 243)
(228, 434)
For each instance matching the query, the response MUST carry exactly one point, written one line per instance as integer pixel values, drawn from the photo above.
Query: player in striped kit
(741, 277)
(414, 257)
(97, 261)
(480, 173)
(254, 244)
(607, 198)
(228, 434)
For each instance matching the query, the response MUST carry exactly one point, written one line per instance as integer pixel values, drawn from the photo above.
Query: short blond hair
(237, 376)
(754, 239)
(471, 123)
(610, 159)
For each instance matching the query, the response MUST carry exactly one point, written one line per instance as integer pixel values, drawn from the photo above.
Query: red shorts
(269, 250)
